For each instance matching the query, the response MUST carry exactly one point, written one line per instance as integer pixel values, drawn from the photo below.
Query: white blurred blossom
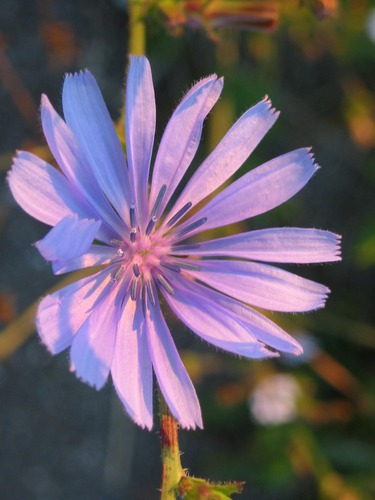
(274, 400)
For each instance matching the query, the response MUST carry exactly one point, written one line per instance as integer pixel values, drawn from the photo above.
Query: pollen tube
(134, 289)
(133, 223)
(179, 214)
(192, 226)
(172, 267)
(148, 291)
(164, 283)
(154, 212)
(136, 270)
(158, 201)
(182, 264)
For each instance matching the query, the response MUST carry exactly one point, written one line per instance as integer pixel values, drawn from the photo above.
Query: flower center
(146, 258)
(141, 257)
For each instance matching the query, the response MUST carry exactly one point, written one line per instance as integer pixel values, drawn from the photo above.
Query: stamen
(158, 201)
(118, 274)
(133, 235)
(120, 252)
(150, 226)
(154, 212)
(134, 289)
(150, 292)
(188, 266)
(179, 214)
(144, 299)
(164, 283)
(185, 248)
(170, 266)
(133, 221)
(192, 226)
(136, 270)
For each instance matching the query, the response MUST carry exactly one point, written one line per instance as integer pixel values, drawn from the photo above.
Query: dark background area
(314, 434)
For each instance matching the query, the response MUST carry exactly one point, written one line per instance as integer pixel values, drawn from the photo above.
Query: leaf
(192, 488)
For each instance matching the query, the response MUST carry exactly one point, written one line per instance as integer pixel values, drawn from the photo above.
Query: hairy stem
(170, 452)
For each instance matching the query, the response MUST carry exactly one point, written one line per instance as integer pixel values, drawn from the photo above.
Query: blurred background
(292, 428)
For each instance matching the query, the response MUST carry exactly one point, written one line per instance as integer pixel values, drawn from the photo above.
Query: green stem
(137, 29)
(172, 470)
(137, 47)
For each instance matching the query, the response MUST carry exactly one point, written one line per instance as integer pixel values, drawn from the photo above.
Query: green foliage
(191, 488)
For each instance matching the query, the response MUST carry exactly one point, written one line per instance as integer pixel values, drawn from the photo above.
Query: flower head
(103, 213)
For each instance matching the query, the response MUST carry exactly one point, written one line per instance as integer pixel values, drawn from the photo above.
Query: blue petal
(69, 239)
(87, 116)
(292, 245)
(140, 130)
(93, 345)
(42, 191)
(96, 255)
(228, 156)
(131, 366)
(73, 162)
(213, 317)
(226, 322)
(46, 194)
(262, 285)
(258, 191)
(61, 314)
(171, 374)
(181, 137)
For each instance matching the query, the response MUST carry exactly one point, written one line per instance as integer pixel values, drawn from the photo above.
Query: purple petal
(258, 191)
(260, 326)
(287, 244)
(61, 314)
(140, 129)
(262, 285)
(72, 161)
(88, 118)
(97, 255)
(42, 191)
(171, 374)
(228, 156)
(70, 238)
(131, 366)
(199, 308)
(93, 345)
(181, 137)
(264, 329)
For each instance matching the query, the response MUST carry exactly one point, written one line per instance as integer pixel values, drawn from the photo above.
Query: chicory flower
(110, 210)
